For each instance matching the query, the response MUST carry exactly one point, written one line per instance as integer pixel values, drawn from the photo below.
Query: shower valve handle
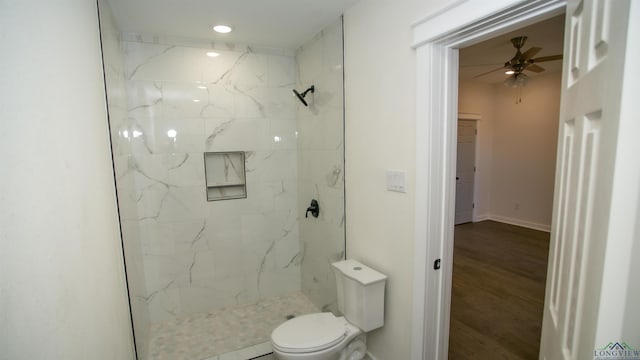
(314, 208)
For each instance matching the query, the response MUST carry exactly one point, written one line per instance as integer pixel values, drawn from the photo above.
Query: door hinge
(476, 131)
(474, 169)
(473, 205)
(436, 264)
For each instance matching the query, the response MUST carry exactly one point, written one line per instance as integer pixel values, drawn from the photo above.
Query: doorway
(500, 259)
(465, 170)
(589, 260)
(437, 39)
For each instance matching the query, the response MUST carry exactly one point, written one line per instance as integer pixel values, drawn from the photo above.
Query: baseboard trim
(370, 357)
(517, 222)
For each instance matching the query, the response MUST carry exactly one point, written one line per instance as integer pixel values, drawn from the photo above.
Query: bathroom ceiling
(273, 23)
(493, 53)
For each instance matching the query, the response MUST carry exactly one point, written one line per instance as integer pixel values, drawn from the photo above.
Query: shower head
(301, 96)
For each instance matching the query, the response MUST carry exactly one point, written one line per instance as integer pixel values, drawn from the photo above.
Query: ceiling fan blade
(547, 58)
(489, 72)
(476, 65)
(535, 68)
(530, 53)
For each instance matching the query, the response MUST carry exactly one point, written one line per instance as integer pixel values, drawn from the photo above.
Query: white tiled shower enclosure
(169, 103)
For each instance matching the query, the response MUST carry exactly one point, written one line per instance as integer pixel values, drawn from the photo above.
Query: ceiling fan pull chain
(518, 95)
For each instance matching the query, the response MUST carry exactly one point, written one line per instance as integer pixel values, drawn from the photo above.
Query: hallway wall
(516, 149)
(525, 138)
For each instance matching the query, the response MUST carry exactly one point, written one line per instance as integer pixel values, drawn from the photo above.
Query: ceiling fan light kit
(522, 61)
(517, 80)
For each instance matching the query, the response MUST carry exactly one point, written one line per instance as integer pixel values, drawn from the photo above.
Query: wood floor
(497, 297)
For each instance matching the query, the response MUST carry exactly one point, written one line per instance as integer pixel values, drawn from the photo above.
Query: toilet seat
(309, 333)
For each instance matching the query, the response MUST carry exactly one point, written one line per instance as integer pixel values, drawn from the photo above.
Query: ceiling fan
(522, 61)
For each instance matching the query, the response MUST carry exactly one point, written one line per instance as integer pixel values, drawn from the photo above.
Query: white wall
(516, 149)
(525, 137)
(380, 134)
(62, 288)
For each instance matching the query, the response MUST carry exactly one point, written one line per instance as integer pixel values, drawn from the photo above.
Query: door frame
(436, 39)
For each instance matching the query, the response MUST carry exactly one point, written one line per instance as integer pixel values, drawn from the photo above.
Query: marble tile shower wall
(114, 67)
(199, 255)
(321, 163)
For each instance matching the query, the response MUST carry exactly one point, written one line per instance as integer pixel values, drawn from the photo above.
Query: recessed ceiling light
(212, 54)
(223, 29)
(509, 72)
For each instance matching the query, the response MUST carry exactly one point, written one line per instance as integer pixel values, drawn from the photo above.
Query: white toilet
(323, 336)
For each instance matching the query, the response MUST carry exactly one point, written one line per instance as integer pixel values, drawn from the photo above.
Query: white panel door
(595, 36)
(465, 171)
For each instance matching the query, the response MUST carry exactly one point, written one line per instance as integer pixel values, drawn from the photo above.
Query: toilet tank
(360, 294)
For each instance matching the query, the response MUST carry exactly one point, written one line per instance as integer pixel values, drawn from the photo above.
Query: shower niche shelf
(225, 175)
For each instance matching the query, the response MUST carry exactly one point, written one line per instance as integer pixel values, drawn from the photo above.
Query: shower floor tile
(233, 332)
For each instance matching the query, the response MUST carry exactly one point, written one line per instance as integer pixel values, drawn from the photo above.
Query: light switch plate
(397, 180)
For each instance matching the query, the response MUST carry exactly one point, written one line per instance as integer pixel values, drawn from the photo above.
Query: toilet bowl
(319, 336)
(324, 336)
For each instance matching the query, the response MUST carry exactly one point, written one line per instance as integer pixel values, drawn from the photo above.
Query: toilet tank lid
(359, 272)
